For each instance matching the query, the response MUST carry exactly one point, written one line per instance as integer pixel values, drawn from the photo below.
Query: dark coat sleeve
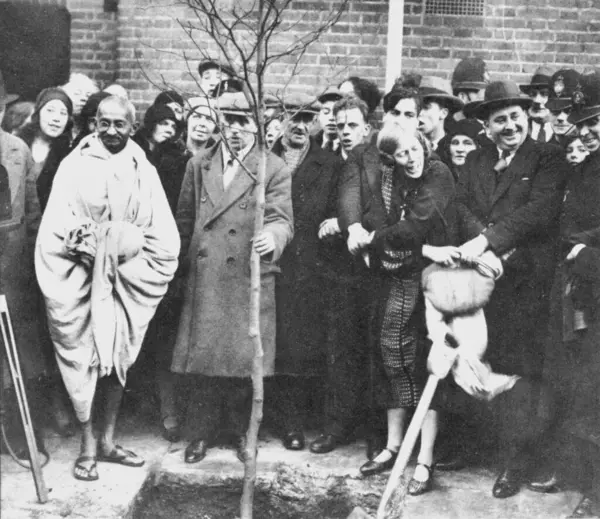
(429, 205)
(541, 209)
(349, 201)
(587, 264)
(470, 224)
(186, 209)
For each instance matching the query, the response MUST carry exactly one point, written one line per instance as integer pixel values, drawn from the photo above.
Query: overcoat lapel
(520, 163)
(240, 183)
(310, 169)
(487, 176)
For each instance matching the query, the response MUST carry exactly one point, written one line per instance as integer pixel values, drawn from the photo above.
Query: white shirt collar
(241, 155)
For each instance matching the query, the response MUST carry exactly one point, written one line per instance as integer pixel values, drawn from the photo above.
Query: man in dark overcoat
(215, 217)
(301, 288)
(509, 200)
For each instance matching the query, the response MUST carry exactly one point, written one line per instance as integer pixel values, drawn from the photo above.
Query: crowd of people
(459, 240)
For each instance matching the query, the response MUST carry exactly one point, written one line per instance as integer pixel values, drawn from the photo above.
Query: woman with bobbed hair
(415, 190)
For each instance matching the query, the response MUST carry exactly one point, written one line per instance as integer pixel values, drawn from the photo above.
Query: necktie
(502, 164)
(542, 134)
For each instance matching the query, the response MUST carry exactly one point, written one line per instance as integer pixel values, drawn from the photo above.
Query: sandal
(122, 456)
(416, 487)
(91, 473)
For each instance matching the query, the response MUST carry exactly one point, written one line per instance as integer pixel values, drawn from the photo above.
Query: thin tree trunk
(247, 501)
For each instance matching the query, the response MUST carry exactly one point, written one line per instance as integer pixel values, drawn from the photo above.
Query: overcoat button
(203, 199)
(232, 232)
(243, 205)
(230, 260)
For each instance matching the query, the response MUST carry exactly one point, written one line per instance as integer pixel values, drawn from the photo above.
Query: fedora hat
(500, 94)
(5, 97)
(470, 74)
(438, 89)
(562, 86)
(586, 98)
(234, 103)
(540, 79)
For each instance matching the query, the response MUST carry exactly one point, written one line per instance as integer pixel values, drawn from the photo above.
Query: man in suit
(215, 218)
(327, 137)
(509, 199)
(538, 90)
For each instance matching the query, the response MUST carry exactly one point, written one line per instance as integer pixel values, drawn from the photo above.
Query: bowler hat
(234, 103)
(470, 74)
(562, 86)
(586, 98)
(437, 89)
(330, 94)
(540, 79)
(4, 96)
(500, 94)
(207, 64)
(301, 103)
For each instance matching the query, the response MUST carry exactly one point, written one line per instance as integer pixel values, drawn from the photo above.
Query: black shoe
(171, 433)
(544, 483)
(451, 462)
(508, 484)
(324, 443)
(196, 451)
(294, 441)
(416, 487)
(374, 467)
(585, 508)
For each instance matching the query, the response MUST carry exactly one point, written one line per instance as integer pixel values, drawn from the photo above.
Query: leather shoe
(372, 467)
(416, 487)
(375, 444)
(324, 443)
(171, 432)
(196, 451)
(508, 484)
(544, 483)
(294, 441)
(585, 508)
(451, 462)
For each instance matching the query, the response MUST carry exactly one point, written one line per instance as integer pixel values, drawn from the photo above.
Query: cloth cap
(301, 103)
(540, 79)
(433, 88)
(210, 63)
(469, 74)
(234, 103)
(586, 98)
(331, 93)
(500, 94)
(5, 97)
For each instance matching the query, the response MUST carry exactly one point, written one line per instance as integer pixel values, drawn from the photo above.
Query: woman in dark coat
(413, 195)
(461, 139)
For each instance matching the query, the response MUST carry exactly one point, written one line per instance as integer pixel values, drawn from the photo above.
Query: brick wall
(144, 43)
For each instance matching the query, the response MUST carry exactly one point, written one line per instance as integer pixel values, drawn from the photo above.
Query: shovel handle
(408, 444)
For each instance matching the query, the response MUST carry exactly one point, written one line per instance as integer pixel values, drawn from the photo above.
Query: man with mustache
(509, 199)
(539, 91)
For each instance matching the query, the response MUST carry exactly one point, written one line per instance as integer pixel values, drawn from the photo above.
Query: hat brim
(468, 85)
(330, 97)
(454, 104)
(584, 114)
(203, 67)
(559, 103)
(486, 107)
(236, 111)
(526, 89)
(9, 98)
(470, 108)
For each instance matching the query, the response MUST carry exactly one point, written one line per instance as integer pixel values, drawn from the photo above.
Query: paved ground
(464, 494)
